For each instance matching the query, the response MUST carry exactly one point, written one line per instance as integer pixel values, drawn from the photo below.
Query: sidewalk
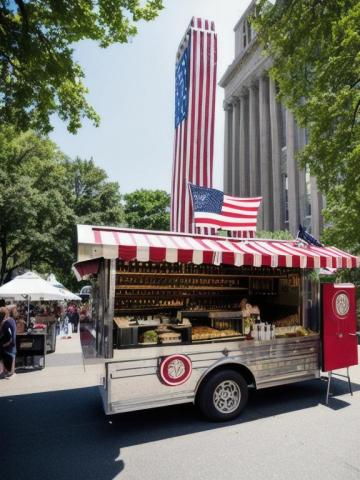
(64, 369)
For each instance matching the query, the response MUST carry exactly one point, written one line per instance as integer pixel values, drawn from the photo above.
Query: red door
(339, 326)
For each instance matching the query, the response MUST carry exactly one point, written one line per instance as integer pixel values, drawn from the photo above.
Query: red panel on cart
(339, 326)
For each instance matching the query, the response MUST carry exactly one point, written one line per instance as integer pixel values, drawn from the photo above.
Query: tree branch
(24, 14)
(355, 114)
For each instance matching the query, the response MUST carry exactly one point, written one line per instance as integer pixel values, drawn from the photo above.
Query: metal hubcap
(227, 396)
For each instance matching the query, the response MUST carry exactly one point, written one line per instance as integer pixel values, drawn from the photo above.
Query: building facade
(261, 142)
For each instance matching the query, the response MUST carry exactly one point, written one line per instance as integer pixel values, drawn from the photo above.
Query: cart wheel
(223, 396)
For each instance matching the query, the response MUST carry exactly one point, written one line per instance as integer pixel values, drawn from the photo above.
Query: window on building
(248, 31)
(244, 34)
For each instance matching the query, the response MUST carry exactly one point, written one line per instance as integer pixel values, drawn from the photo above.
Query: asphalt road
(284, 433)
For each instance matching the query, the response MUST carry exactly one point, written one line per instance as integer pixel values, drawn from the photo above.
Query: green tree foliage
(33, 204)
(43, 196)
(93, 200)
(315, 49)
(38, 75)
(147, 209)
(276, 235)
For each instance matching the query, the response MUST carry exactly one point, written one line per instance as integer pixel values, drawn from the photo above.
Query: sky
(132, 89)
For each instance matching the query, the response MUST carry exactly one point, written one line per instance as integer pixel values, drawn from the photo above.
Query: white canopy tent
(68, 295)
(30, 287)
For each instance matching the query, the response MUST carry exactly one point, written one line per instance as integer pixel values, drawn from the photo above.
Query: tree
(33, 205)
(93, 200)
(38, 75)
(316, 63)
(43, 197)
(147, 209)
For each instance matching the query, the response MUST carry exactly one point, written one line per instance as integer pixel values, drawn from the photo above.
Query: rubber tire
(205, 395)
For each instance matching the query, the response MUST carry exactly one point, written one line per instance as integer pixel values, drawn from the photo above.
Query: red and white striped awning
(142, 245)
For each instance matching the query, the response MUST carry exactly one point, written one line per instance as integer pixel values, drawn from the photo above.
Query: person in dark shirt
(75, 319)
(8, 341)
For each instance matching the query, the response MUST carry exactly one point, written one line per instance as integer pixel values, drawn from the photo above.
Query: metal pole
(348, 376)
(28, 311)
(328, 387)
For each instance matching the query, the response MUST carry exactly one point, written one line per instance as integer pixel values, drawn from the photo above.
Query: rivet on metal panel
(225, 352)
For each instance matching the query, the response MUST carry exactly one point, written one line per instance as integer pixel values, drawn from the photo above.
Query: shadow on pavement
(65, 435)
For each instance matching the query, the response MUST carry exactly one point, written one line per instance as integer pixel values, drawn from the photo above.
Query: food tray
(169, 341)
(225, 315)
(220, 339)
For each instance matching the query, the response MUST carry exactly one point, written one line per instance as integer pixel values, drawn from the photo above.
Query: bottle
(265, 333)
(272, 332)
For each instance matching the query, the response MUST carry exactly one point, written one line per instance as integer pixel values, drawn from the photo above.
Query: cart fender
(228, 363)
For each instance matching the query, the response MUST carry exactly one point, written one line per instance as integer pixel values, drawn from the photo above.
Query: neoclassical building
(261, 141)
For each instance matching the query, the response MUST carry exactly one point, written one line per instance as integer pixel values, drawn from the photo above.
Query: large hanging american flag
(195, 86)
(212, 208)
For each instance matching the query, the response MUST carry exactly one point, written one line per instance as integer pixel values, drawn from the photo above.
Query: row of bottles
(181, 282)
(262, 331)
(190, 268)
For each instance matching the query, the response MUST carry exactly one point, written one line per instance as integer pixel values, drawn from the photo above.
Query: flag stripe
(243, 206)
(237, 200)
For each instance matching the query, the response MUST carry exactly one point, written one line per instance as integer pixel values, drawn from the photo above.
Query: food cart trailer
(189, 318)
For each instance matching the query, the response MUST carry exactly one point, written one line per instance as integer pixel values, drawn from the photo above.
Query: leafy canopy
(315, 47)
(43, 196)
(147, 209)
(38, 75)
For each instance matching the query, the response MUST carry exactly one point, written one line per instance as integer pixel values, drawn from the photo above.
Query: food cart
(189, 318)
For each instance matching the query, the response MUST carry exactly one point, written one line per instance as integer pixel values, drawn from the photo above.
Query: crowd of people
(16, 319)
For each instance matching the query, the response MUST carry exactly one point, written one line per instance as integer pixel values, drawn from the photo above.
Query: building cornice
(250, 7)
(234, 67)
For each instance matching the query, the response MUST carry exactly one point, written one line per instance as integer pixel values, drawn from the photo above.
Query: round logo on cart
(175, 369)
(341, 304)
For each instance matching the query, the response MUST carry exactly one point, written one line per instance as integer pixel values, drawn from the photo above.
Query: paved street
(285, 433)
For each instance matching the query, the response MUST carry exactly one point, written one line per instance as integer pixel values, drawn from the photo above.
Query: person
(75, 319)
(8, 340)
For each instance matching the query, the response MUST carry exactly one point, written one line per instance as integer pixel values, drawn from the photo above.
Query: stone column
(292, 173)
(317, 205)
(227, 147)
(304, 188)
(235, 181)
(254, 150)
(244, 145)
(265, 153)
(275, 125)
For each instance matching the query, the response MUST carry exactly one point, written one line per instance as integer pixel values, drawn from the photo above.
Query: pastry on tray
(169, 337)
(204, 333)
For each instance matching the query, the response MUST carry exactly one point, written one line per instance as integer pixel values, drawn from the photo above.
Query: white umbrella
(67, 294)
(30, 286)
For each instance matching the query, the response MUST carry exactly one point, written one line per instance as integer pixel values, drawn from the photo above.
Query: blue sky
(132, 88)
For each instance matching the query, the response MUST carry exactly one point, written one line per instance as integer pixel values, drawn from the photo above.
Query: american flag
(195, 86)
(212, 208)
(304, 235)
